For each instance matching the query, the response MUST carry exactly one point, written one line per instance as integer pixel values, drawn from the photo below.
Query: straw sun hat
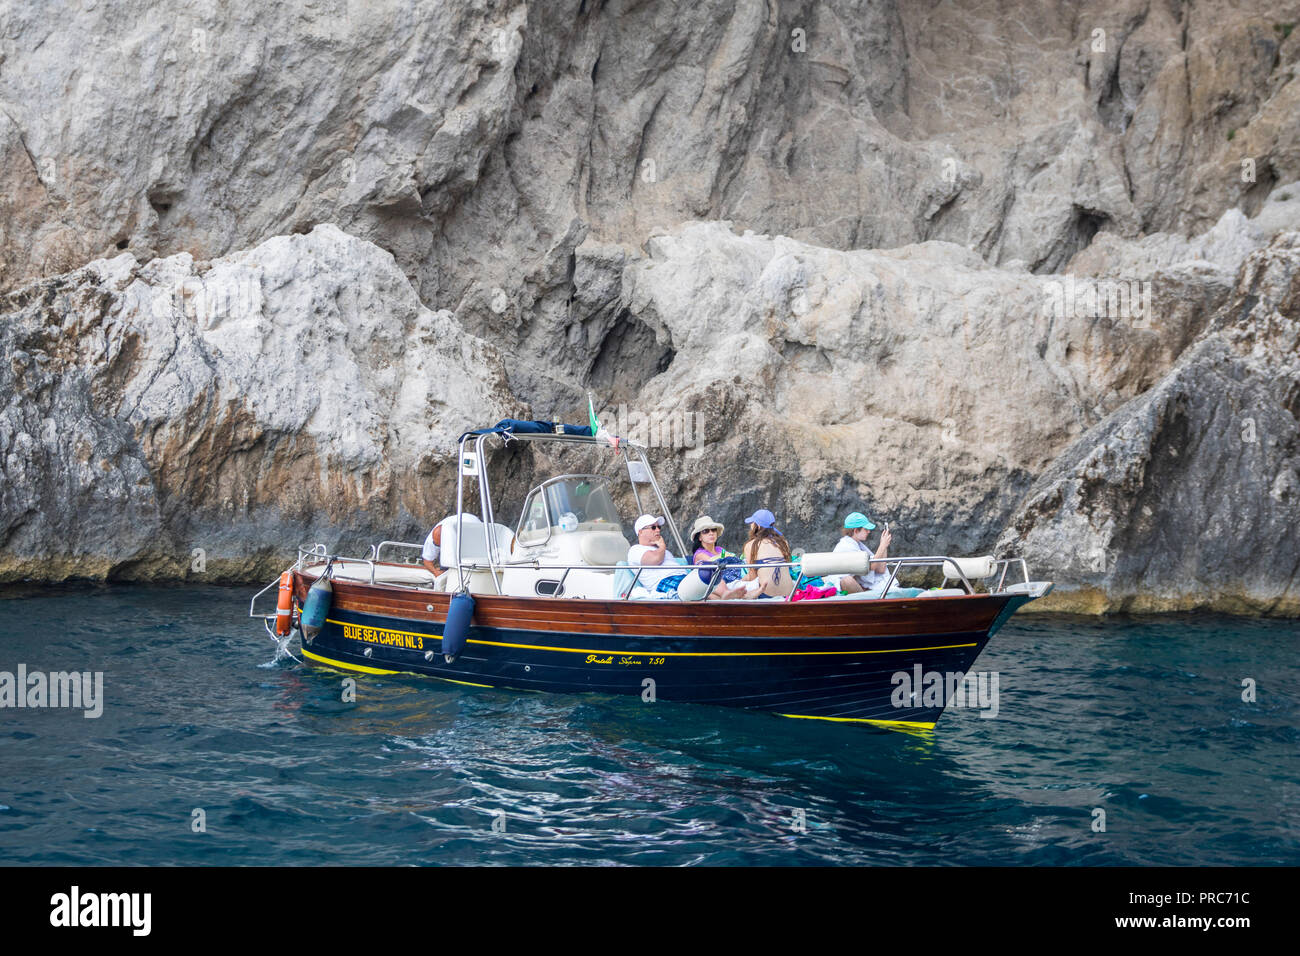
(704, 523)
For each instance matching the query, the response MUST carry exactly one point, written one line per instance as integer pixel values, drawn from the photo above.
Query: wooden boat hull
(831, 660)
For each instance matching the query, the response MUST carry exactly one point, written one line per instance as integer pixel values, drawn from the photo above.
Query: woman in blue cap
(766, 545)
(857, 528)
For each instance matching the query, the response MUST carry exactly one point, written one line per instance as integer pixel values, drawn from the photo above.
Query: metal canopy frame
(485, 488)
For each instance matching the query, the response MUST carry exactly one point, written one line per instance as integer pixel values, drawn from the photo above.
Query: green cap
(858, 520)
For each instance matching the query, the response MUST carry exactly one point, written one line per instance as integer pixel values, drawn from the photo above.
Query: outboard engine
(455, 632)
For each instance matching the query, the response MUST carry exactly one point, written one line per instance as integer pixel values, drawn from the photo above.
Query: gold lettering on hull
(623, 659)
(377, 635)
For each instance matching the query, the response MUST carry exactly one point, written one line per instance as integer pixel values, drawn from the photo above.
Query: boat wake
(282, 653)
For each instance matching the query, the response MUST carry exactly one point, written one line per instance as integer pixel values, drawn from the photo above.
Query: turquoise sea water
(1141, 718)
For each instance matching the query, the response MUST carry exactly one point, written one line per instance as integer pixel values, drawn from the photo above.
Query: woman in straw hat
(704, 539)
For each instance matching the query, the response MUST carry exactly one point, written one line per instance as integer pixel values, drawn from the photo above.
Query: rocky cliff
(1012, 277)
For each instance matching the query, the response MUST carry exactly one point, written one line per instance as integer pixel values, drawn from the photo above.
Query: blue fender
(455, 632)
(316, 607)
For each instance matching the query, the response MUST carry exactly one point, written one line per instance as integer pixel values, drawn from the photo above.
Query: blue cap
(858, 520)
(763, 518)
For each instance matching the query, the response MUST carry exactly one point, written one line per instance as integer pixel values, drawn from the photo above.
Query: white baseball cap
(645, 521)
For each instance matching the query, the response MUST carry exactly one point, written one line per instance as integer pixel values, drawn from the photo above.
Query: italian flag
(597, 428)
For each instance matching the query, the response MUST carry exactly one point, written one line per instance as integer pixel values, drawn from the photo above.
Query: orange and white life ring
(284, 607)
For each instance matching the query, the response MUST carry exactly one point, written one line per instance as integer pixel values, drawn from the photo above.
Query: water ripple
(1140, 724)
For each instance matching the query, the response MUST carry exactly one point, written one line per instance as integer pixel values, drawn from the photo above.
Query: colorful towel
(812, 593)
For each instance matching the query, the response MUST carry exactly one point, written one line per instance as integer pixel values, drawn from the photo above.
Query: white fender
(972, 568)
(818, 564)
(692, 588)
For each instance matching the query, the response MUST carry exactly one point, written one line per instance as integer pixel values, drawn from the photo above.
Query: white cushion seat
(603, 548)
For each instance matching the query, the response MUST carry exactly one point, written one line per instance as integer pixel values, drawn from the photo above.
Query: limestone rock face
(295, 392)
(1189, 495)
(480, 142)
(259, 266)
(159, 417)
(919, 380)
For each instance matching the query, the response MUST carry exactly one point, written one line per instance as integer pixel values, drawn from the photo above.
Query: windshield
(566, 504)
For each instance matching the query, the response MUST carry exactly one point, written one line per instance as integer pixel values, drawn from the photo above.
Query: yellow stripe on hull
(375, 670)
(347, 667)
(909, 725)
(467, 683)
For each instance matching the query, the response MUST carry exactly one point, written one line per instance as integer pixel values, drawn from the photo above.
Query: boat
(551, 605)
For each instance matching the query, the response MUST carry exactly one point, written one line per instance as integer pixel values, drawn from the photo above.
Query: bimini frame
(473, 461)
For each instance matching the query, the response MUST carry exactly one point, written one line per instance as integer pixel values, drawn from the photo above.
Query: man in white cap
(651, 551)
